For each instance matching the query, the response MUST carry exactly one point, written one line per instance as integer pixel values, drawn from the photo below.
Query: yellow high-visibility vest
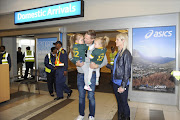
(4, 59)
(29, 56)
(57, 62)
(47, 69)
(112, 55)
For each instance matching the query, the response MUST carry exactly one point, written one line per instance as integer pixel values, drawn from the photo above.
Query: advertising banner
(154, 51)
(43, 48)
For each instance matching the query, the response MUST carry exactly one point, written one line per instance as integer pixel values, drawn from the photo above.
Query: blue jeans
(82, 94)
(123, 107)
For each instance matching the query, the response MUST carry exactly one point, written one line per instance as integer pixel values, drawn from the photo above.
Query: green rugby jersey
(97, 55)
(79, 51)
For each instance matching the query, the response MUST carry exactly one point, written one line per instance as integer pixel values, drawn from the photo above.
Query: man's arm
(78, 63)
(104, 63)
(46, 63)
(65, 61)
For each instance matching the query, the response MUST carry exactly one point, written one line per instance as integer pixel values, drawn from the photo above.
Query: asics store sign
(158, 34)
(60, 11)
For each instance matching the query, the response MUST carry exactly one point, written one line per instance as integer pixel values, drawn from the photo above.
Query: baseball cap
(57, 42)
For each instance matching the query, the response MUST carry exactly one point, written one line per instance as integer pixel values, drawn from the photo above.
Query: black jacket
(20, 57)
(123, 67)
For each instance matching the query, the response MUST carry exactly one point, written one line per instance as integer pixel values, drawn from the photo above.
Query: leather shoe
(52, 95)
(127, 118)
(69, 94)
(121, 116)
(58, 98)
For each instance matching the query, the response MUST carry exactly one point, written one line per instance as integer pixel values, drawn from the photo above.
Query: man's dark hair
(19, 47)
(28, 48)
(53, 48)
(3, 47)
(92, 33)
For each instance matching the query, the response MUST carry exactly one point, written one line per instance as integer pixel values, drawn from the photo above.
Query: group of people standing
(95, 58)
(56, 66)
(28, 57)
(88, 53)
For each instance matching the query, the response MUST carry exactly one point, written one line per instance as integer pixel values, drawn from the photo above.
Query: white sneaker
(87, 88)
(91, 118)
(80, 117)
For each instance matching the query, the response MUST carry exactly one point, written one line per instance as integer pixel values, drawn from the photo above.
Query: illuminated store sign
(59, 11)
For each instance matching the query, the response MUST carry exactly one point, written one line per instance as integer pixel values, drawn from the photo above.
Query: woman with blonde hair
(121, 74)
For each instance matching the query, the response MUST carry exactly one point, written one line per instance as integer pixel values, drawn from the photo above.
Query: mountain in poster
(151, 73)
(157, 59)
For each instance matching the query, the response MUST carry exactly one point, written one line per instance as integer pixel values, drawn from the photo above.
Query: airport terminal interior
(153, 30)
(37, 105)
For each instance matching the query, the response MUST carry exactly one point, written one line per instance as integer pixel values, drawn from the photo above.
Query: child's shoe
(87, 88)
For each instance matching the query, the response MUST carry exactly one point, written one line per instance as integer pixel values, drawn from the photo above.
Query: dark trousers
(60, 83)
(123, 107)
(51, 82)
(28, 65)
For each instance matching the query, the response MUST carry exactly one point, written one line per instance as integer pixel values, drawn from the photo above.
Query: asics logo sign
(158, 34)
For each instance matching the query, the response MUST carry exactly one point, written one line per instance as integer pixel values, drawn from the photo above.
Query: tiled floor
(32, 106)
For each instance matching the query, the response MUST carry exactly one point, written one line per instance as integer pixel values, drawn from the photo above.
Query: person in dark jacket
(61, 64)
(50, 69)
(5, 57)
(20, 61)
(121, 75)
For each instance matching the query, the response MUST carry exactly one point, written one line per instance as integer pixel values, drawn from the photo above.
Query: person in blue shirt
(50, 69)
(121, 74)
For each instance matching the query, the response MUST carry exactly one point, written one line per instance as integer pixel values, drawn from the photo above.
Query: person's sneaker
(91, 118)
(80, 117)
(87, 88)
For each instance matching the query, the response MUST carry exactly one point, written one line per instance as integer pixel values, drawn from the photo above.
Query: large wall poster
(154, 50)
(43, 48)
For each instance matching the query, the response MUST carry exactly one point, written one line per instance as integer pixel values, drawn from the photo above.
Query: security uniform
(62, 65)
(5, 59)
(49, 63)
(29, 60)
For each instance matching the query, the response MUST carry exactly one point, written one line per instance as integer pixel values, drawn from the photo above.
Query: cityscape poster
(154, 55)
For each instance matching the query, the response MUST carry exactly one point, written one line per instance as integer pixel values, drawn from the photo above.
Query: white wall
(10, 44)
(94, 10)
